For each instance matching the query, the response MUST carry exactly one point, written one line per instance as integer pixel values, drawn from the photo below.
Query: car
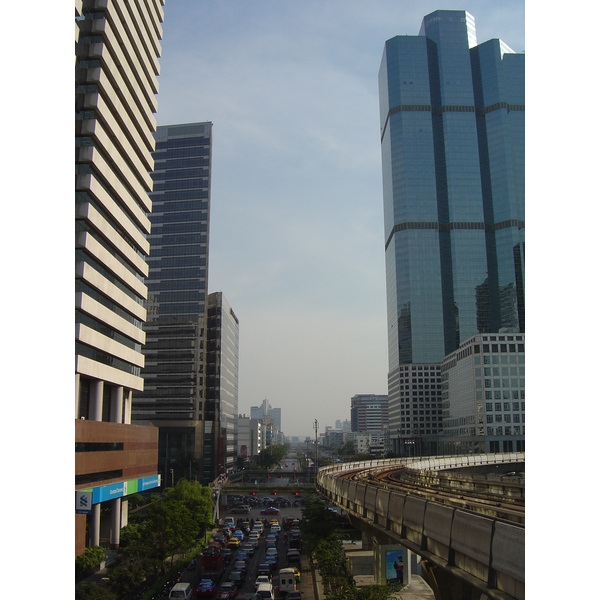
(236, 577)
(227, 589)
(270, 510)
(275, 528)
(253, 539)
(248, 547)
(273, 522)
(262, 579)
(272, 552)
(272, 562)
(205, 589)
(233, 543)
(263, 569)
(241, 555)
(240, 509)
(239, 534)
(240, 565)
(294, 595)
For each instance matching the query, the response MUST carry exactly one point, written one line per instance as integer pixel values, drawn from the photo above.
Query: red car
(271, 510)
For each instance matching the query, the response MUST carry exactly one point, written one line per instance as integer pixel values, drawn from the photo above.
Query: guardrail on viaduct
(486, 553)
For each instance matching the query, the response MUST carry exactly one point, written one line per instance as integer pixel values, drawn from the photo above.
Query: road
(259, 555)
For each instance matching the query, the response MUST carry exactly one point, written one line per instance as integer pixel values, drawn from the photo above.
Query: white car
(261, 579)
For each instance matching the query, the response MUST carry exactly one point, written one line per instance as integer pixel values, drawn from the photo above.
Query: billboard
(394, 565)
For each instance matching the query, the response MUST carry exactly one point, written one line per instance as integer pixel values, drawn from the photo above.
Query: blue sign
(83, 502)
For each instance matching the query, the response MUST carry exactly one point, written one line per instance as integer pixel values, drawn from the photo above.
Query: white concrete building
(483, 395)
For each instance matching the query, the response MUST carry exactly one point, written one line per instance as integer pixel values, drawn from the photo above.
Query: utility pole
(316, 450)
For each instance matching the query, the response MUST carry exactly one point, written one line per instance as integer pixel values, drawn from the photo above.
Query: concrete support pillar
(124, 512)
(127, 411)
(115, 523)
(96, 394)
(95, 525)
(367, 540)
(116, 404)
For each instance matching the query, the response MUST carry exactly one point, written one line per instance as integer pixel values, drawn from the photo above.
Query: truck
(211, 564)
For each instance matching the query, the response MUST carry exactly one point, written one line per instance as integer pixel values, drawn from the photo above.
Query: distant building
(343, 425)
(266, 410)
(369, 413)
(250, 436)
(483, 395)
(116, 69)
(452, 128)
(221, 403)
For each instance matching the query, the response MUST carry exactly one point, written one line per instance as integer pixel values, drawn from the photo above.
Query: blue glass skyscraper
(174, 372)
(453, 152)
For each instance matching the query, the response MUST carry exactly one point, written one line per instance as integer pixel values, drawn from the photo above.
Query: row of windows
(183, 143)
(505, 418)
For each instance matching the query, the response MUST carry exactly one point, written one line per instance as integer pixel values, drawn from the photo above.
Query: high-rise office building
(452, 140)
(266, 410)
(369, 413)
(117, 48)
(221, 396)
(483, 395)
(174, 374)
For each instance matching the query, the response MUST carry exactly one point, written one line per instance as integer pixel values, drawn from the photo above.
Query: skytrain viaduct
(463, 515)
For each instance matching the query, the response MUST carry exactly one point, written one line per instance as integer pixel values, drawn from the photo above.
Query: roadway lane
(260, 553)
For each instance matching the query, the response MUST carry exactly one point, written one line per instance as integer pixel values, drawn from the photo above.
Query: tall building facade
(173, 397)
(116, 68)
(452, 116)
(369, 413)
(483, 395)
(266, 410)
(221, 403)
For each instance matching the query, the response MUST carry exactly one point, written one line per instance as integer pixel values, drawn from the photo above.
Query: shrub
(84, 563)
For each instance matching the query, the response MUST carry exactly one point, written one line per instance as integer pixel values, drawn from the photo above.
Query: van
(287, 581)
(181, 591)
(265, 590)
(293, 558)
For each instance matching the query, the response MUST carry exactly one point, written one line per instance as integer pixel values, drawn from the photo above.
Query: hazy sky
(296, 231)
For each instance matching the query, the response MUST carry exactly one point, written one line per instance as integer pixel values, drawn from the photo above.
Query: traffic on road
(254, 552)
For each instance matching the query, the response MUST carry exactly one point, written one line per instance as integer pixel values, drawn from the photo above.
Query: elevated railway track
(465, 517)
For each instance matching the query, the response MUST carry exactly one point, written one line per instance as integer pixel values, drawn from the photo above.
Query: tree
(93, 591)
(84, 563)
(198, 500)
(317, 523)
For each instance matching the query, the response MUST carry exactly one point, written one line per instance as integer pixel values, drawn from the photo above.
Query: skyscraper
(116, 67)
(452, 140)
(221, 403)
(174, 377)
(369, 413)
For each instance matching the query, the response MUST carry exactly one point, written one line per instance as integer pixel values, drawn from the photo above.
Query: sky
(296, 226)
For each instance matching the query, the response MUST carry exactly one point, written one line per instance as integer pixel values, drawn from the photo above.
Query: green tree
(198, 500)
(333, 567)
(317, 523)
(93, 591)
(170, 529)
(91, 558)
(128, 577)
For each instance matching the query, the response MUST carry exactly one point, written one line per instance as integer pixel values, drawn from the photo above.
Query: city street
(248, 586)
